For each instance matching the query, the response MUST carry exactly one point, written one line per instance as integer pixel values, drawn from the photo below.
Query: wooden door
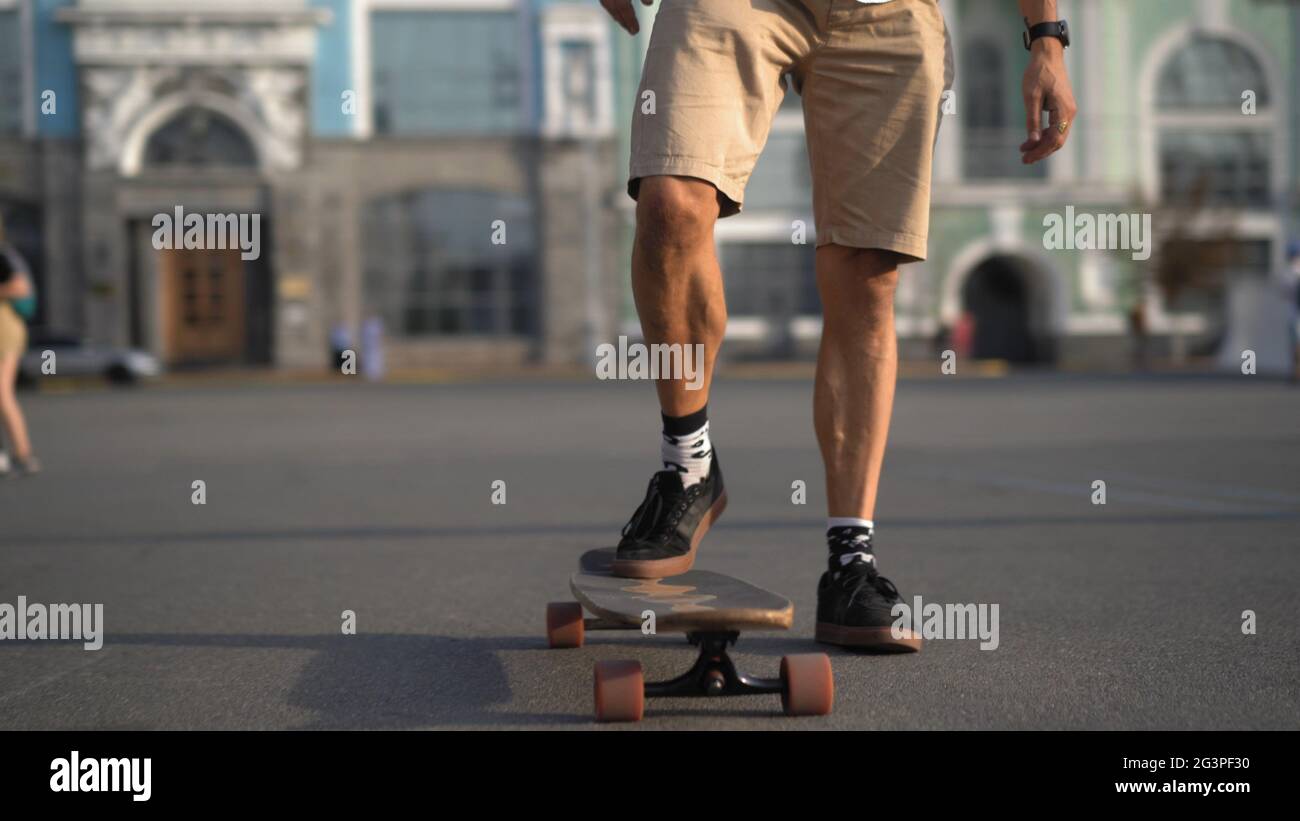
(203, 306)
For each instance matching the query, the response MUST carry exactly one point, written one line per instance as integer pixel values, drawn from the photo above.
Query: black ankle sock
(682, 425)
(848, 544)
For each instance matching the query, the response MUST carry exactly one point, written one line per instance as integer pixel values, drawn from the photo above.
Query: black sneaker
(853, 610)
(661, 537)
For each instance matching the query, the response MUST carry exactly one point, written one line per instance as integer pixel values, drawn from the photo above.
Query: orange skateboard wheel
(620, 691)
(564, 625)
(809, 684)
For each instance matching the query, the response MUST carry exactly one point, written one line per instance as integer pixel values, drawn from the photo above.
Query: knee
(859, 280)
(675, 213)
(879, 286)
(877, 271)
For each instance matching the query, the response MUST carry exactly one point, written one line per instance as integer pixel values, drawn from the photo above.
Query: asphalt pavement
(378, 500)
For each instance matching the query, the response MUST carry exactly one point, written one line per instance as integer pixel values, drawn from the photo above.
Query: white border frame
(569, 23)
(363, 122)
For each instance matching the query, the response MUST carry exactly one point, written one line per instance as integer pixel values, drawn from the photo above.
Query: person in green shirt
(15, 289)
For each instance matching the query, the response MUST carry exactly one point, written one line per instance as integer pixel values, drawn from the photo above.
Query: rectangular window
(771, 280)
(991, 117)
(1225, 168)
(433, 269)
(782, 178)
(11, 73)
(577, 78)
(446, 72)
(577, 70)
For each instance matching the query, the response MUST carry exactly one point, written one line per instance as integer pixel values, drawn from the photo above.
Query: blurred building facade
(444, 166)
(1162, 130)
(457, 168)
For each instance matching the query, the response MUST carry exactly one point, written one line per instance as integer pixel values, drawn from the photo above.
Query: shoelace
(651, 511)
(868, 579)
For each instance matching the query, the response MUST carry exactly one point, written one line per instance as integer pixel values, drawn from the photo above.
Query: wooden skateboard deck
(697, 600)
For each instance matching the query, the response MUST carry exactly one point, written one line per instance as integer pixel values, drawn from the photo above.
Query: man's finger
(1053, 138)
(1045, 148)
(1048, 146)
(1034, 114)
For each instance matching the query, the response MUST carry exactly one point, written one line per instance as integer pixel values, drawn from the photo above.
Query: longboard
(711, 609)
(695, 600)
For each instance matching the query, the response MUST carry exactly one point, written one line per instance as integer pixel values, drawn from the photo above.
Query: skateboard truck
(806, 685)
(714, 673)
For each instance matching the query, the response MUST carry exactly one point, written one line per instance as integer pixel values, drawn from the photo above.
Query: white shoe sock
(690, 455)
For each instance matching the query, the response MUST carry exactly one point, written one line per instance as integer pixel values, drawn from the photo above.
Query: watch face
(1065, 33)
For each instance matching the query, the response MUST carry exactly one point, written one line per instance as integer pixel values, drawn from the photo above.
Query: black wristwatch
(1055, 28)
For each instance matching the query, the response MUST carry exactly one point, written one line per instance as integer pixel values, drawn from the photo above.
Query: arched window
(1211, 151)
(199, 137)
(1210, 72)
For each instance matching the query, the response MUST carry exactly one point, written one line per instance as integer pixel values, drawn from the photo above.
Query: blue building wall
(55, 70)
(332, 71)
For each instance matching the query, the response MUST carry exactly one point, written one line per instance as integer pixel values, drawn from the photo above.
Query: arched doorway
(213, 307)
(1006, 303)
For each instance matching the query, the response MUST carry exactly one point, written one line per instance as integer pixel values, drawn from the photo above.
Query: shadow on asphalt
(388, 681)
(402, 681)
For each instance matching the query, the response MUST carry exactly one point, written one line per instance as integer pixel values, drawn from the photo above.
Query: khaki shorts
(871, 77)
(13, 331)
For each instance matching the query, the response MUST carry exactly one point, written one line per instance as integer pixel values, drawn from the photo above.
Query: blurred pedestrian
(17, 297)
(1137, 330)
(1293, 258)
(963, 336)
(372, 344)
(340, 346)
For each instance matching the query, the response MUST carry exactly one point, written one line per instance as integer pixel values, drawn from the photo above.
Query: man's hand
(1046, 86)
(624, 13)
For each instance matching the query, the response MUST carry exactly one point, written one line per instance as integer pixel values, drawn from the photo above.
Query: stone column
(579, 243)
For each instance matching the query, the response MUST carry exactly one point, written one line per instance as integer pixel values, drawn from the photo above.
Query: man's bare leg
(856, 368)
(852, 402)
(11, 414)
(678, 290)
(676, 281)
